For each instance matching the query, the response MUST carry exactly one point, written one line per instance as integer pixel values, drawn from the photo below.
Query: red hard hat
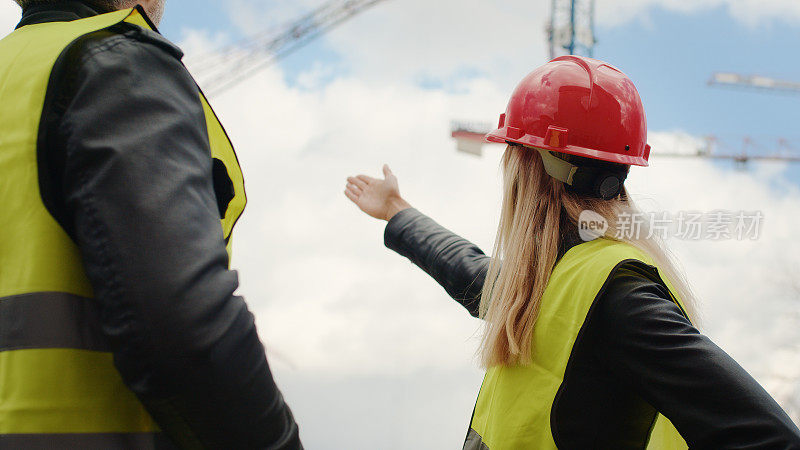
(580, 106)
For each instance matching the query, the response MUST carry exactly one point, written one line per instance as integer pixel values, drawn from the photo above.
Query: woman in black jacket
(589, 340)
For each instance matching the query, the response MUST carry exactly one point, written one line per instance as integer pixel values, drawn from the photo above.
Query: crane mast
(571, 28)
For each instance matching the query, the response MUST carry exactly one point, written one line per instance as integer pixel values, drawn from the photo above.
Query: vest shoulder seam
(91, 44)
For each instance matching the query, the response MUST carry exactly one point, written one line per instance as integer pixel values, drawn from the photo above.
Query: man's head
(154, 8)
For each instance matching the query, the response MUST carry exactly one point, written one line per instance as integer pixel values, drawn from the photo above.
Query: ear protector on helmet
(599, 181)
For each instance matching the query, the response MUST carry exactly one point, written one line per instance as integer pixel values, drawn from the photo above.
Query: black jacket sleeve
(138, 198)
(652, 347)
(454, 262)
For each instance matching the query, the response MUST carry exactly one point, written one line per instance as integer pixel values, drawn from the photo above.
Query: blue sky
(671, 59)
(206, 14)
(669, 55)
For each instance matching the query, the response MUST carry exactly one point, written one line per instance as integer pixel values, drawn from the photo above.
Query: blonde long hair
(536, 214)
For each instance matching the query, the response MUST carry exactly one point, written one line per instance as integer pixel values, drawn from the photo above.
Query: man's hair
(104, 4)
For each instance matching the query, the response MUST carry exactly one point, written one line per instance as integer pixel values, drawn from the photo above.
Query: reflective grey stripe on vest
(104, 441)
(49, 320)
(474, 441)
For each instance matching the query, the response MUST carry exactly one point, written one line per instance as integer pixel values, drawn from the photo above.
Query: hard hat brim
(502, 136)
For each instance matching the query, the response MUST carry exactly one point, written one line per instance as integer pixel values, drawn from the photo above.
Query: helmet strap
(558, 168)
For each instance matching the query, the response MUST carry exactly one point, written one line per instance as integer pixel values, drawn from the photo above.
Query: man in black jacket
(125, 168)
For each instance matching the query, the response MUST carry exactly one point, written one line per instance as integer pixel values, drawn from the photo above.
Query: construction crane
(571, 31)
(741, 151)
(571, 28)
(727, 79)
(223, 69)
(470, 136)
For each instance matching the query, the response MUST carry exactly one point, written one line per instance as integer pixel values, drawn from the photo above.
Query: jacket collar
(63, 11)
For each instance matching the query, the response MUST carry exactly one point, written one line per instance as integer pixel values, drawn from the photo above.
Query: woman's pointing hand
(380, 198)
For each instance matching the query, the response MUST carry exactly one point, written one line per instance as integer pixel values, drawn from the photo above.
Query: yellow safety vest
(514, 405)
(58, 384)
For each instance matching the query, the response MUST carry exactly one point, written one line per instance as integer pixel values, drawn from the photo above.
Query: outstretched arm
(458, 265)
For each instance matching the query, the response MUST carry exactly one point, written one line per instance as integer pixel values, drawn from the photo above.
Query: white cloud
(404, 39)
(784, 368)
(346, 320)
(675, 143)
(761, 295)
(758, 11)
(336, 309)
(9, 17)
